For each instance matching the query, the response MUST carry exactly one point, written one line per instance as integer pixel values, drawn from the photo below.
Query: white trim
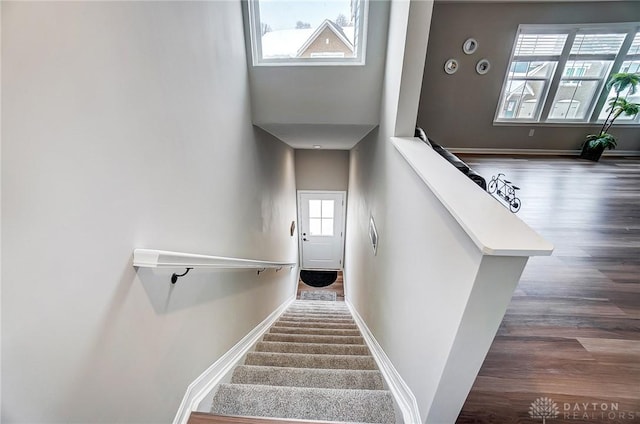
(1, 115)
(404, 397)
(213, 375)
(359, 49)
(363, 32)
(150, 258)
(534, 152)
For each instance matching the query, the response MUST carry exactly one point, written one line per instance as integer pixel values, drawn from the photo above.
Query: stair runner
(313, 364)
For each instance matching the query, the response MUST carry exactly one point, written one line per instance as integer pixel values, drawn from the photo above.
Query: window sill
(561, 124)
(282, 63)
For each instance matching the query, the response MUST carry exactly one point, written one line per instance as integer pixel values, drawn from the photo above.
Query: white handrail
(150, 258)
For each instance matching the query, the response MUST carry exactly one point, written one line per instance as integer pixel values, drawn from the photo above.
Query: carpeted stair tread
(323, 306)
(289, 323)
(301, 316)
(302, 360)
(312, 364)
(313, 348)
(319, 308)
(302, 304)
(320, 331)
(318, 302)
(318, 315)
(320, 319)
(306, 377)
(312, 338)
(318, 311)
(344, 310)
(333, 306)
(363, 406)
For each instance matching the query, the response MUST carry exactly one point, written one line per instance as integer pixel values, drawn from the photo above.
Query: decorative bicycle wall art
(506, 191)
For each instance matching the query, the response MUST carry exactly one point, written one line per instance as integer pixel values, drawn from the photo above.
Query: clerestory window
(286, 32)
(558, 73)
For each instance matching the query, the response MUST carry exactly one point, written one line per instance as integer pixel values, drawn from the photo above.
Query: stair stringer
(404, 398)
(204, 385)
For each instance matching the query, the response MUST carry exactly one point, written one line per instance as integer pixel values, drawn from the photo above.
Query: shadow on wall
(105, 358)
(200, 286)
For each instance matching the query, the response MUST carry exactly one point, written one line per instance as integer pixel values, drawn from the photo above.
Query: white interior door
(321, 217)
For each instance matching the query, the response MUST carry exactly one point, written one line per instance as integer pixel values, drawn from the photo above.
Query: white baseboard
(209, 379)
(534, 152)
(403, 395)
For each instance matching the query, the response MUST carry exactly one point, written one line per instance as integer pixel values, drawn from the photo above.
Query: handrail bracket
(174, 276)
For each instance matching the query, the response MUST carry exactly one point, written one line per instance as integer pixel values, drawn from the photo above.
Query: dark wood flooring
(572, 330)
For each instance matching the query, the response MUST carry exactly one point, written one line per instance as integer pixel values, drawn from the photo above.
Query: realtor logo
(544, 408)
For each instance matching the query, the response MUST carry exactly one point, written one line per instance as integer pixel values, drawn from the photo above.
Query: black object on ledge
(452, 159)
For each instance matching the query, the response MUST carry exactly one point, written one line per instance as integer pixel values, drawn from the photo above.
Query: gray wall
(458, 110)
(127, 124)
(322, 169)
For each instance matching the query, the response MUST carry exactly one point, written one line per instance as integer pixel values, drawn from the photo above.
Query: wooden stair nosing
(205, 418)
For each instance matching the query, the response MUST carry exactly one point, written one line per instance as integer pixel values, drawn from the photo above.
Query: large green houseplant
(595, 144)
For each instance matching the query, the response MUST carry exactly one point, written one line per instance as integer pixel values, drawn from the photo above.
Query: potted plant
(595, 144)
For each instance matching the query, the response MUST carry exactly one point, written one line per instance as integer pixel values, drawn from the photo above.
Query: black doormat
(318, 278)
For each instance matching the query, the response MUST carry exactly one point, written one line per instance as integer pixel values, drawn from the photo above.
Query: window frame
(359, 42)
(598, 99)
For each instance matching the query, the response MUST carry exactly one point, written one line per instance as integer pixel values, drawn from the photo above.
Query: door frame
(342, 230)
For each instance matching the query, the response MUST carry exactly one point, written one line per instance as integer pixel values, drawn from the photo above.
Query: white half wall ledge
(493, 229)
(150, 258)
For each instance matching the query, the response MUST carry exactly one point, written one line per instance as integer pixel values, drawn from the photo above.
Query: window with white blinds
(597, 43)
(558, 73)
(635, 46)
(539, 44)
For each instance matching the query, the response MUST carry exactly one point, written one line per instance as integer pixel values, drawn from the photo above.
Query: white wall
(0, 216)
(128, 125)
(410, 272)
(412, 294)
(322, 170)
(430, 296)
(320, 94)
(334, 105)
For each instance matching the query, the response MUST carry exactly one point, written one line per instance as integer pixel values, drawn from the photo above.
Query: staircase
(313, 364)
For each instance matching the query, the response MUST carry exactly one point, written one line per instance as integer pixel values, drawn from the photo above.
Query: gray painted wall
(322, 169)
(127, 124)
(458, 110)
